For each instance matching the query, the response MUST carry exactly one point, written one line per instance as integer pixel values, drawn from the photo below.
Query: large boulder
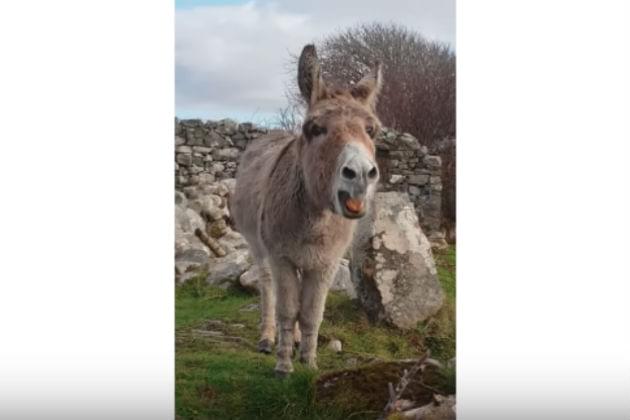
(392, 264)
(191, 255)
(226, 271)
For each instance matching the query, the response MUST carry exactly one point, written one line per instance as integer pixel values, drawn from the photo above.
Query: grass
(229, 380)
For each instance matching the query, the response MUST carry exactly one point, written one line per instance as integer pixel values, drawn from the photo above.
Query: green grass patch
(221, 380)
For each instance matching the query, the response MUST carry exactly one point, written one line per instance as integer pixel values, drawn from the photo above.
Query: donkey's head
(337, 148)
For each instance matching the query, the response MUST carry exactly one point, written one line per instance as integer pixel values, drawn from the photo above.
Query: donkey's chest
(316, 243)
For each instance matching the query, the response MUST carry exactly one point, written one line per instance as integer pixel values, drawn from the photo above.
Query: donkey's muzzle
(356, 178)
(351, 207)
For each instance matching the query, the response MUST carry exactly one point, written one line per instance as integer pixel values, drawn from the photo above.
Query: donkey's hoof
(283, 369)
(265, 346)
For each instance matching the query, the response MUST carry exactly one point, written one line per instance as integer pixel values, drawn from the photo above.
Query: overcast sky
(231, 56)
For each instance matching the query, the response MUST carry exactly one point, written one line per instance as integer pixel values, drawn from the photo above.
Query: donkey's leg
(267, 310)
(315, 285)
(297, 333)
(287, 288)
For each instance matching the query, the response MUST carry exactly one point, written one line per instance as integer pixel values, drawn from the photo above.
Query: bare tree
(418, 94)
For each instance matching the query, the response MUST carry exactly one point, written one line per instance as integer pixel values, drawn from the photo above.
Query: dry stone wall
(206, 152)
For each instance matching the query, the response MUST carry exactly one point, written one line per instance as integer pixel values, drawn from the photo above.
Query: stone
(232, 241)
(230, 184)
(191, 192)
(184, 159)
(214, 139)
(198, 160)
(335, 345)
(414, 191)
(216, 167)
(225, 271)
(249, 280)
(418, 179)
(343, 282)
(183, 149)
(396, 280)
(218, 188)
(230, 153)
(246, 126)
(217, 228)
(180, 198)
(181, 180)
(206, 178)
(202, 150)
(409, 141)
(209, 206)
(228, 126)
(187, 219)
(179, 141)
(433, 162)
(396, 179)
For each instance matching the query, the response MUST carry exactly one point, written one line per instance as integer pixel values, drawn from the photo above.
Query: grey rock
(249, 280)
(343, 281)
(229, 268)
(206, 178)
(183, 149)
(179, 141)
(230, 153)
(392, 266)
(217, 228)
(433, 162)
(228, 126)
(232, 241)
(187, 220)
(414, 191)
(198, 160)
(217, 167)
(246, 126)
(180, 198)
(184, 159)
(209, 206)
(396, 179)
(230, 184)
(202, 150)
(409, 141)
(418, 179)
(191, 192)
(335, 345)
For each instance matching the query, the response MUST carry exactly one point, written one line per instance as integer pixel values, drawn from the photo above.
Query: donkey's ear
(310, 80)
(368, 88)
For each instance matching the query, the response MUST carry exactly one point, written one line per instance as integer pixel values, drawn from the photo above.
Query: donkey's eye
(317, 130)
(370, 130)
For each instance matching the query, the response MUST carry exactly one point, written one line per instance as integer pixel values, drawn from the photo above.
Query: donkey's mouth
(352, 208)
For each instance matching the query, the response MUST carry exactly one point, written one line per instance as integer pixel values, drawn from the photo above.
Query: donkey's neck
(290, 192)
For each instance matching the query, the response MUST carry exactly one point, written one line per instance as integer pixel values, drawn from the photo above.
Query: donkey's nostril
(348, 173)
(373, 173)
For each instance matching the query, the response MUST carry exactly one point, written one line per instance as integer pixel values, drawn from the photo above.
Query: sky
(232, 57)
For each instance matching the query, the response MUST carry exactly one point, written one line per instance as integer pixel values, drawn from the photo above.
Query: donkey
(297, 200)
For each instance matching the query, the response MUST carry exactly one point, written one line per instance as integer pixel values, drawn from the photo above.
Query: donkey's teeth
(354, 205)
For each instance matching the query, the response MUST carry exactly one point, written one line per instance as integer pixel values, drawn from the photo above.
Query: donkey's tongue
(354, 205)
